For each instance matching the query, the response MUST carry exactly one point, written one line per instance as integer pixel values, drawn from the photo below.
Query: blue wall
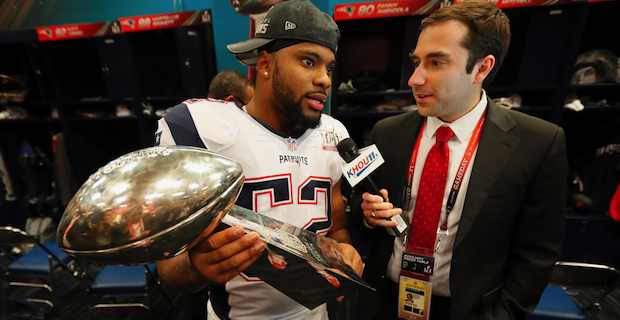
(228, 25)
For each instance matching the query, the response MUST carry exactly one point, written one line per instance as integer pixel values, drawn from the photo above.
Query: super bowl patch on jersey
(330, 139)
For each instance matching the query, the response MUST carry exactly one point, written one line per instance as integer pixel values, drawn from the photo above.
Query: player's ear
(265, 63)
(230, 98)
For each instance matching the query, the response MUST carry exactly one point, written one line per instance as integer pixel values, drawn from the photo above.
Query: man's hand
(223, 255)
(352, 257)
(214, 260)
(376, 210)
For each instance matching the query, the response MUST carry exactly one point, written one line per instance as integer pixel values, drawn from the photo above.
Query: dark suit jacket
(512, 225)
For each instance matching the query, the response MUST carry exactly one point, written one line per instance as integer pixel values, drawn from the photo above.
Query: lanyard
(458, 180)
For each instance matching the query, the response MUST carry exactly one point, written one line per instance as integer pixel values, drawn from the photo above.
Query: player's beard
(291, 104)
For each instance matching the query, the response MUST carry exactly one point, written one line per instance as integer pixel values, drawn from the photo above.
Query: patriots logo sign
(348, 10)
(47, 32)
(129, 22)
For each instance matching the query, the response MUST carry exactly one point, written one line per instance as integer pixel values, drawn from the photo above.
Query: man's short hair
(230, 82)
(489, 30)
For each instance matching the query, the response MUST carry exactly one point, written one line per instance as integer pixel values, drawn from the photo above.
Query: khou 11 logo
(358, 169)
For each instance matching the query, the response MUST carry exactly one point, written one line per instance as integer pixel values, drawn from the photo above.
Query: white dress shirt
(463, 129)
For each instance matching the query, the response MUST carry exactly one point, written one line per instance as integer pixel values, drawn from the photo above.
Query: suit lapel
(404, 140)
(495, 149)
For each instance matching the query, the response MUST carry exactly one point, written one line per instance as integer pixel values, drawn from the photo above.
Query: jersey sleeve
(218, 122)
(203, 123)
(163, 137)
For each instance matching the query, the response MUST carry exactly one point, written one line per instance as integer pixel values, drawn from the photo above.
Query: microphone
(348, 151)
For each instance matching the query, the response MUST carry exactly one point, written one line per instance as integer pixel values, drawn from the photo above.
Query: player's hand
(352, 257)
(224, 254)
(376, 210)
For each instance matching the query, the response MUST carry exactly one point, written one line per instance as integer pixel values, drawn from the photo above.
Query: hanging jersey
(286, 178)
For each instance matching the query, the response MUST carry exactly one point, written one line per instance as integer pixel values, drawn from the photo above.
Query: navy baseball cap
(294, 21)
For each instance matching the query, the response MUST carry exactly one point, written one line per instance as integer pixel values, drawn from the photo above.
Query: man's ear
(264, 64)
(483, 68)
(230, 98)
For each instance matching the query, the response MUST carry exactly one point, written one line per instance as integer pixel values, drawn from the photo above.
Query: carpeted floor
(72, 302)
(610, 305)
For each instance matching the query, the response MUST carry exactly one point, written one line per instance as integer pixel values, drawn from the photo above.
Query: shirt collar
(462, 127)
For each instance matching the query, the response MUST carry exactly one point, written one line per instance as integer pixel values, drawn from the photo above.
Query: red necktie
(430, 194)
(614, 206)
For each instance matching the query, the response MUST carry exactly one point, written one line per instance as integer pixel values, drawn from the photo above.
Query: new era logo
(289, 25)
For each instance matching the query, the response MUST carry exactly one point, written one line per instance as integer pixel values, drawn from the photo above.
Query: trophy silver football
(149, 205)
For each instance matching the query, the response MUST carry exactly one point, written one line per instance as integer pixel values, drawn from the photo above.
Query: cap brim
(245, 51)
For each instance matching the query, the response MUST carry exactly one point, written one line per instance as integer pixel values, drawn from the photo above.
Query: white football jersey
(287, 178)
